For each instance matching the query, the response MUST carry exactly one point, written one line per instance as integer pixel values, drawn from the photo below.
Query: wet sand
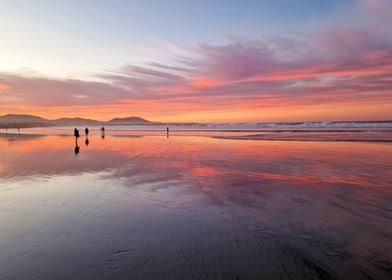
(193, 207)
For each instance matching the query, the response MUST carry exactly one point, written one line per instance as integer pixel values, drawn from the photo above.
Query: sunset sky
(202, 61)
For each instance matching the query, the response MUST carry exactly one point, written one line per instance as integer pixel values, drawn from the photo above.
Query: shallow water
(355, 133)
(193, 207)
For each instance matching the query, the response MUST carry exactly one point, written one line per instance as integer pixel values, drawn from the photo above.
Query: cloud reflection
(329, 199)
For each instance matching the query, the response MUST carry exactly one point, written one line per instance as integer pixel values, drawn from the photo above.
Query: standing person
(103, 132)
(18, 131)
(86, 131)
(76, 133)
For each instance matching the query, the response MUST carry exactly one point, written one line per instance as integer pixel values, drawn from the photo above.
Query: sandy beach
(193, 207)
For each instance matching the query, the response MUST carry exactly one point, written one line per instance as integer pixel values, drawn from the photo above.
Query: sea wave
(302, 125)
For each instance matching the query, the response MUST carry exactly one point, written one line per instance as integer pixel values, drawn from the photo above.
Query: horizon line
(160, 122)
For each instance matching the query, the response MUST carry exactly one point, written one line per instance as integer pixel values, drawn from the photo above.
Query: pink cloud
(334, 63)
(3, 86)
(376, 6)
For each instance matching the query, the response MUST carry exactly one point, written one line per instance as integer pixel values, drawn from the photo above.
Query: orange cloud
(204, 82)
(329, 77)
(3, 86)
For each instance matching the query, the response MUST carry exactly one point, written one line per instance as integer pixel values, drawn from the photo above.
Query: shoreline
(257, 137)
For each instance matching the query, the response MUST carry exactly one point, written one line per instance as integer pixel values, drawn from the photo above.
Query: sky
(199, 61)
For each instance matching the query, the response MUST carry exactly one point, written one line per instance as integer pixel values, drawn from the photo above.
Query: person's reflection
(86, 141)
(77, 148)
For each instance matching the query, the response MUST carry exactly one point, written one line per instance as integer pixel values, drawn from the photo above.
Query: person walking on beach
(167, 132)
(103, 132)
(86, 132)
(76, 134)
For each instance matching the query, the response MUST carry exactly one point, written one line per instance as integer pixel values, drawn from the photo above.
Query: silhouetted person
(86, 142)
(86, 131)
(18, 131)
(76, 133)
(103, 132)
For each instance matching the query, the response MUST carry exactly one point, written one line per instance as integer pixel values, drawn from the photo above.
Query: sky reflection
(326, 205)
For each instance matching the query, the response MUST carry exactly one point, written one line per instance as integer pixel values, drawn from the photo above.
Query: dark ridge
(129, 120)
(23, 121)
(75, 121)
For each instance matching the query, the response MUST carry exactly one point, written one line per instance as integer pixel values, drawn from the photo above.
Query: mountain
(14, 120)
(129, 121)
(21, 118)
(75, 121)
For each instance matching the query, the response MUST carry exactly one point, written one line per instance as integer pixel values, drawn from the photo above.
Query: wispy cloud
(334, 64)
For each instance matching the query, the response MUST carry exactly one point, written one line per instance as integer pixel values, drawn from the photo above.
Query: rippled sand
(193, 207)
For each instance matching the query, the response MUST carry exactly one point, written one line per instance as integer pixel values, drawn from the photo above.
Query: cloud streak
(334, 66)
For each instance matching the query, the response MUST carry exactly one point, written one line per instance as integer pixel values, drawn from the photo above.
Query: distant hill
(14, 120)
(129, 121)
(75, 121)
(21, 118)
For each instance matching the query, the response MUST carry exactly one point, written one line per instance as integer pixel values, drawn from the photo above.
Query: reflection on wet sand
(194, 208)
